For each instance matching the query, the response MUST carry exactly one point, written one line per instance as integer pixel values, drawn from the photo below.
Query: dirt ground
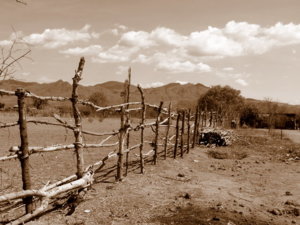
(262, 188)
(255, 181)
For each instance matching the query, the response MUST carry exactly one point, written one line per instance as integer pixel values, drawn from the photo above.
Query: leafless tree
(11, 56)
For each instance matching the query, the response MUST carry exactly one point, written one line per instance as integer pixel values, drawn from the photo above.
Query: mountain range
(178, 94)
(181, 95)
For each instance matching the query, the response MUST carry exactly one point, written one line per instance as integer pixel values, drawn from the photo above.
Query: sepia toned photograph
(158, 112)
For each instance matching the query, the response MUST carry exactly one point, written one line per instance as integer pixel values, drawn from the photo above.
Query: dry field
(255, 181)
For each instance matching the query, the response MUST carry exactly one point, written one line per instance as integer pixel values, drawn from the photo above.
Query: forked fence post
(157, 133)
(177, 134)
(24, 151)
(188, 130)
(182, 134)
(119, 176)
(195, 127)
(77, 119)
(142, 128)
(167, 132)
(127, 119)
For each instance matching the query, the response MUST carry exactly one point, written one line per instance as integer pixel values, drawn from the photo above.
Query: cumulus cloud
(241, 82)
(90, 50)
(115, 54)
(167, 50)
(136, 39)
(182, 67)
(54, 38)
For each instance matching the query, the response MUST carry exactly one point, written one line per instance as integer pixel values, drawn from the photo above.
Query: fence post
(157, 133)
(167, 132)
(24, 151)
(119, 176)
(195, 127)
(142, 128)
(77, 119)
(127, 119)
(182, 134)
(176, 135)
(188, 130)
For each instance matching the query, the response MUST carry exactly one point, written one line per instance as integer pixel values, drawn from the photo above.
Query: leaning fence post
(127, 119)
(24, 151)
(167, 132)
(176, 135)
(142, 128)
(195, 126)
(119, 176)
(157, 133)
(77, 119)
(188, 130)
(182, 134)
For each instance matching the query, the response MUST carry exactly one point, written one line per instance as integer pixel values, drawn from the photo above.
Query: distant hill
(183, 95)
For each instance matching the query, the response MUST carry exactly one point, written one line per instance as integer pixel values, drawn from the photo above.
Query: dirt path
(262, 188)
(294, 135)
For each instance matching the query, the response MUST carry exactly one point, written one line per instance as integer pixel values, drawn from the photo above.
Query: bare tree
(11, 56)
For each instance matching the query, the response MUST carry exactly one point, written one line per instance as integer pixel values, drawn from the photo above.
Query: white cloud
(136, 39)
(182, 67)
(115, 54)
(154, 85)
(241, 82)
(54, 38)
(121, 70)
(228, 69)
(90, 50)
(4, 43)
(181, 82)
(44, 79)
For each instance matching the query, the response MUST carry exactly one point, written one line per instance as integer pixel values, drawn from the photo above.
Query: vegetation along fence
(37, 201)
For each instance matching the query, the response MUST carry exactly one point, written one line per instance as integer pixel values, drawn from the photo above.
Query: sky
(253, 46)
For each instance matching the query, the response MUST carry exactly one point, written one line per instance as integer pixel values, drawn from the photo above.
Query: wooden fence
(186, 131)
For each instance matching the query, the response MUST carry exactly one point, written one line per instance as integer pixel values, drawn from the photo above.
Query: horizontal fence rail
(187, 125)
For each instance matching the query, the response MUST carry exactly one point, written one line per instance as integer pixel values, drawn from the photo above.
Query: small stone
(288, 193)
(187, 196)
(180, 175)
(241, 205)
(87, 211)
(216, 218)
(275, 212)
(296, 211)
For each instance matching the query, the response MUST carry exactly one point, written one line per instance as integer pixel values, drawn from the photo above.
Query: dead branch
(11, 58)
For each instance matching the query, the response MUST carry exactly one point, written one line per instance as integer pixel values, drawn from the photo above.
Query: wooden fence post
(188, 130)
(176, 135)
(77, 119)
(182, 134)
(157, 133)
(119, 176)
(127, 119)
(24, 151)
(195, 127)
(142, 129)
(167, 132)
